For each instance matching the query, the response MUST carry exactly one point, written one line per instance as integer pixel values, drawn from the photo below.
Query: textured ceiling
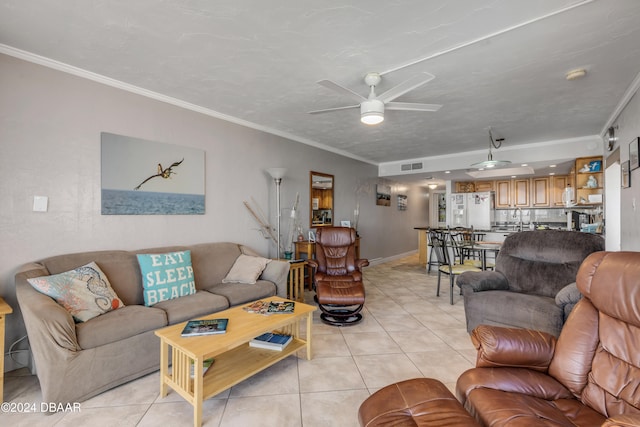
(497, 63)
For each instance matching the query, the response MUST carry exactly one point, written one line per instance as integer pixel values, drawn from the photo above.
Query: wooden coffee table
(235, 361)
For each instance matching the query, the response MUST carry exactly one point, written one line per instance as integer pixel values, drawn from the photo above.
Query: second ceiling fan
(372, 108)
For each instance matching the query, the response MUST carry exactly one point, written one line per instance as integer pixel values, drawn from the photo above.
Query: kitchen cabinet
(540, 194)
(589, 180)
(503, 193)
(465, 187)
(512, 193)
(558, 184)
(521, 192)
(536, 192)
(483, 186)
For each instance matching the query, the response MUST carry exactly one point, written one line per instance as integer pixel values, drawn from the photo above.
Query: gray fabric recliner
(533, 284)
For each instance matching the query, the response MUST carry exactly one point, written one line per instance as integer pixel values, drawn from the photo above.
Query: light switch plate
(40, 203)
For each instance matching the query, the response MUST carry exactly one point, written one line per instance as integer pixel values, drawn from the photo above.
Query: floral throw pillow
(85, 292)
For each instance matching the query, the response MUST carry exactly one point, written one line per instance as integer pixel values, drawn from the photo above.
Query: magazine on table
(206, 364)
(267, 308)
(281, 307)
(271, 341)
(259, 307)
(195, 328)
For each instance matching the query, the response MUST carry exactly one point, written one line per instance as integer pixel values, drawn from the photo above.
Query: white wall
(50, 124)
(628, 123)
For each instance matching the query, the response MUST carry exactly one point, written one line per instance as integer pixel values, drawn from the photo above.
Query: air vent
(411, 166)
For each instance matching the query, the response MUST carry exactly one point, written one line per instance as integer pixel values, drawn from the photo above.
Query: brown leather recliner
(338, 276)
(589, 376)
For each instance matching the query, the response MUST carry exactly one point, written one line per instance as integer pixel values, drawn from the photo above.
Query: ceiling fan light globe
(371, 118)
(372, 112)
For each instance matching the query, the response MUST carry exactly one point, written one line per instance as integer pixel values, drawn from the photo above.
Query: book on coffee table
(271, 341)
(195, 328)
(206, 364)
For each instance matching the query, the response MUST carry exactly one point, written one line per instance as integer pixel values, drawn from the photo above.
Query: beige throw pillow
(246, 269)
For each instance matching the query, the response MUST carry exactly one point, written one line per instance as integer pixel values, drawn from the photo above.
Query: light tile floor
(406, 332)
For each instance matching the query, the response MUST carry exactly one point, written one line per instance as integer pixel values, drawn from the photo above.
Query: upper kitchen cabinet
(512, 193)
(558, 184)
(484, 186)
(589, 180)
(540, 194)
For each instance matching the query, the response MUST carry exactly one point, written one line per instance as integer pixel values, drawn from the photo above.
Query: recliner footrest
(419, 401)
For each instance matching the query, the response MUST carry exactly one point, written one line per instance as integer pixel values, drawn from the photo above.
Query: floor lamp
(277, 174)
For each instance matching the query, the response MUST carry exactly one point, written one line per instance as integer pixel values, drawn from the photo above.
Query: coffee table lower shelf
(233, 367)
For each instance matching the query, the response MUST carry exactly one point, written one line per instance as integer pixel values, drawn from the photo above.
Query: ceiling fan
(372, 108)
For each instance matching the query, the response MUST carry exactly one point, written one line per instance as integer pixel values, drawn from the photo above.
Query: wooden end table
(4, 310)
(295, 290)
(234, 361)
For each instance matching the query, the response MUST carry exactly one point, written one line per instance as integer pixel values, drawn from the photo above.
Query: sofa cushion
(540, 312)
(240, 294)
(191, 306)
(515, 399)
(121, 267)
(85, 292)
(166, 276)
(212, 262)
(119, 324)
(246, 269)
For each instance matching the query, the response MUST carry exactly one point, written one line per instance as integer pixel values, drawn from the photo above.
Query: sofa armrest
(511, 347)
(50, 327)
(479, 281)
(567, 298)
(627, 420)
(277, 272)
(360, 263)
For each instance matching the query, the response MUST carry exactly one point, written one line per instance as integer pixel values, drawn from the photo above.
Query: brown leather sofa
(589, 376)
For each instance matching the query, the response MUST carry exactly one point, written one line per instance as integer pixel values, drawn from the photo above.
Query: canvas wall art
(383, 195)
(141, 177)
(402, 202)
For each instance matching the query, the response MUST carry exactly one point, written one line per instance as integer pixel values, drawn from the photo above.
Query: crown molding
(89, 75)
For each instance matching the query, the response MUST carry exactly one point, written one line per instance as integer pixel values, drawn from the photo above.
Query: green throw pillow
(84, 292)
(166, 276)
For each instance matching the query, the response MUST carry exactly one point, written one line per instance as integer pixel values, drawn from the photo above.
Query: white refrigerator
(472, 210)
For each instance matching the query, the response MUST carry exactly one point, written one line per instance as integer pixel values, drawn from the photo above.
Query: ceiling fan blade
(326, 110)
(341, 89)
(406, 86)
(410, 106)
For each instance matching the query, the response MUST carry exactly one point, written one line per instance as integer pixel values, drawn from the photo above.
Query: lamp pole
(277, 174)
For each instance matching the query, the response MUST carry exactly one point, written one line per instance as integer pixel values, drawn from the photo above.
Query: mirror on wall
(321, 199)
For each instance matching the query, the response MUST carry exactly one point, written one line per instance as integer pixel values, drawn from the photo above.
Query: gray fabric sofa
(76, 361)
(533, 284)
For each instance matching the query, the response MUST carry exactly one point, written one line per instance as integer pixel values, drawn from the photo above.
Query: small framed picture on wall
(634, 160)
(626, 175)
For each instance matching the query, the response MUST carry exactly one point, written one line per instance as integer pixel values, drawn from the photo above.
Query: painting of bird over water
(130, 186)
(162, 173)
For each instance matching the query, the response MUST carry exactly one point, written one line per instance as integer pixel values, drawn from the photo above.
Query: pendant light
(490, 163)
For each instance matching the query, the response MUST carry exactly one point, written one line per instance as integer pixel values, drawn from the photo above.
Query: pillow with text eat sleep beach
(166, 276)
